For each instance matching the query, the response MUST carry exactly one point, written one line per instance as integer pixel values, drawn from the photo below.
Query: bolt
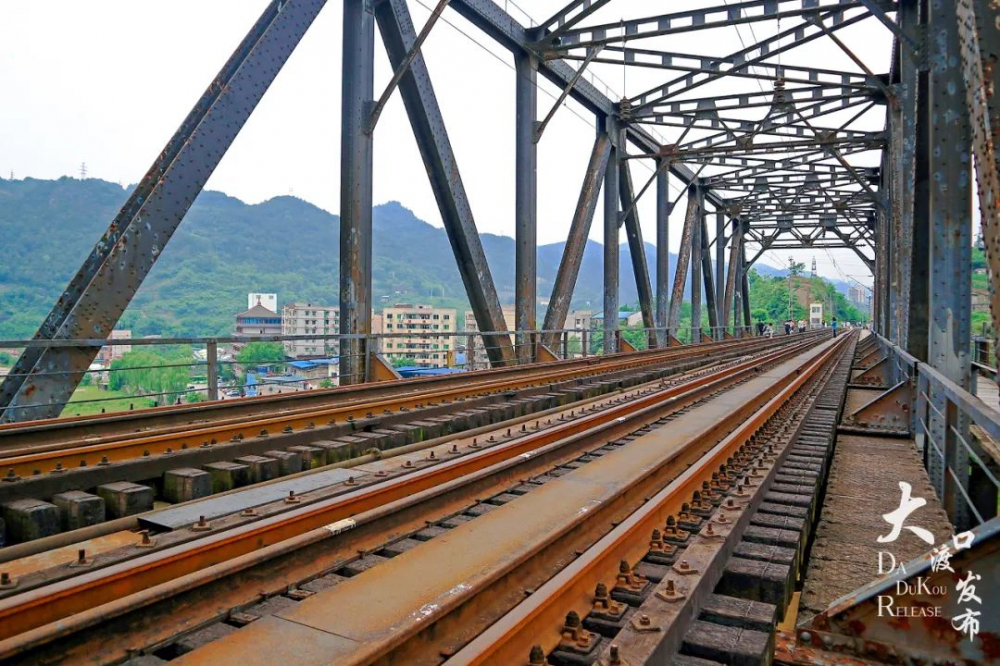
(537, 656)
(431, 456)
(145, 538)
(350, 481)
(104, 461)
(81, 556)
(601, 592)
(59, 467)
(572, 620)
(670, 586)
(5, 579)
(615, 657)
(83, 463)
(683, 565)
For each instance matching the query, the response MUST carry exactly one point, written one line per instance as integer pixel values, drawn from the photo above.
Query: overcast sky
(107, 83)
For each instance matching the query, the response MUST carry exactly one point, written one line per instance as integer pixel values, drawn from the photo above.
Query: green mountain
(226, 248)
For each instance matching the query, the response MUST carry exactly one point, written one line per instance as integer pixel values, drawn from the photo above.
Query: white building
(307, 318)
(815, 315)
(269, 301)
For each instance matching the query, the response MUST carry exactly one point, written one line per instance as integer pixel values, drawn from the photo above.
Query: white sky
(107, 83)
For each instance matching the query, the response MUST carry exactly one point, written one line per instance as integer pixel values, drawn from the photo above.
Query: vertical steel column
(720, 268)
(525, 201)
(212, 368)
(662, 252)
(636, 246)
(980, 46)
(745, 288)
(611, 243)
(576, 241)
(905, 132)
(357, 94)
(710, 294)
(735, 250)
(696, 265)
(950, 250)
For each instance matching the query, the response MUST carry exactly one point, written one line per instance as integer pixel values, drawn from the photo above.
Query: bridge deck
(863, 486)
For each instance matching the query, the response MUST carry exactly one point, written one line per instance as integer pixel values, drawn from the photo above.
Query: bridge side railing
(217, 373)
(955, 431)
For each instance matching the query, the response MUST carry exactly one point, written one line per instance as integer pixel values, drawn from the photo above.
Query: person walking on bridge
(833, 325)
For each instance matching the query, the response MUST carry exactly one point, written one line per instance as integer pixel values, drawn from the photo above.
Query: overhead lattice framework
(772, 124)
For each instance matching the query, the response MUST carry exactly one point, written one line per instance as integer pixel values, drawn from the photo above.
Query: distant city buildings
(419, 323)
(305, 319)
(480, 359)
(625, 318)
(860, 297)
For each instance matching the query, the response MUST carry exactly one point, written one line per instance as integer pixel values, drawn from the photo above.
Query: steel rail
(24, 461)
(55, 603)
(150, 618)
(538, 620)
(453, 597)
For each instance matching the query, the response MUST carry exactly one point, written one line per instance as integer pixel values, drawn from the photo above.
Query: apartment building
(419, 323)
(307, 318)
(480, 359)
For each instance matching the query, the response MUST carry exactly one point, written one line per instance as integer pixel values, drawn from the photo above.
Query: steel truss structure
(779, 152)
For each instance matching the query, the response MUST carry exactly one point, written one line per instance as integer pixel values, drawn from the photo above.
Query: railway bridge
(708, 495)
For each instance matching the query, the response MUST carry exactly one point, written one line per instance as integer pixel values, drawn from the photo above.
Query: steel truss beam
(576, 241)
(109, 278)
(694, 19)
(398, 36)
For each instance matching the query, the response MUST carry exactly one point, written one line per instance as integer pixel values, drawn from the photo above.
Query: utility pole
(83, 170)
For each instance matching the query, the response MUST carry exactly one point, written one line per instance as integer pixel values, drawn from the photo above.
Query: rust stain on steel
(408, 593)
(38, 607)
(67, 554)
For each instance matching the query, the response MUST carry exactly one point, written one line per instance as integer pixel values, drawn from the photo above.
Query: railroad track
(83, 613)
(178, 462)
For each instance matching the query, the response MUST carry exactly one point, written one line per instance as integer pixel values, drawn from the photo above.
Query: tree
(164, 372)
(261, 353)
(402, 361)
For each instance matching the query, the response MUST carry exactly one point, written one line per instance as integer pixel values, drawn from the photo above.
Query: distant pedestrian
(833, 325)
(802, 325)
(788, 327)
(761, 327)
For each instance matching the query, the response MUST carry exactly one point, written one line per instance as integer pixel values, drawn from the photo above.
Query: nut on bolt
(202, 525)
(537, 656)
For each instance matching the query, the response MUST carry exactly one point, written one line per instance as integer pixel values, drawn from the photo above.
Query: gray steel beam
(489, 17)
(398, 35)
(357, 92)
(735, 252)
(918, 188)
(950, 247)
(663, 206)
(720, 263)
(745, 288)
(576, 241)
(711, 303)
(525, 203)
(611, 176)
(40, 383)
(697, 266)
(636, 246)
(683, 260)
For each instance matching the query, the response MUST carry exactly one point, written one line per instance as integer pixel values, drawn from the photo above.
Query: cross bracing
(779, 130)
